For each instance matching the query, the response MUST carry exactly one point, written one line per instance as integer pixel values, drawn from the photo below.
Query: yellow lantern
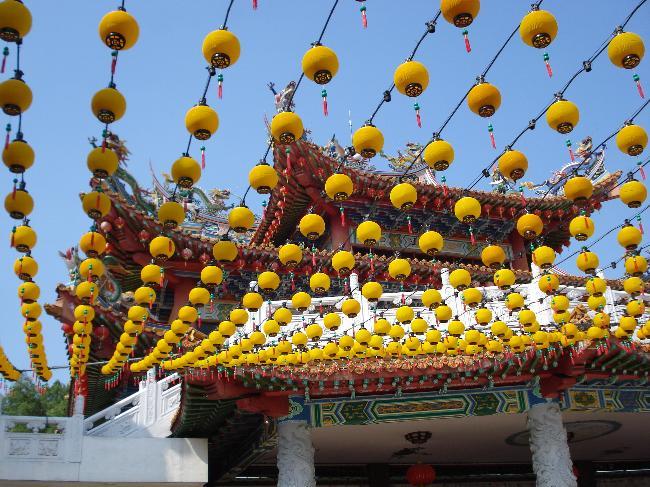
(201, 121)
(241, 219)
(118, 30)
(467, 209)
(144, 295)
(339, 187)
(513, 164)
(91, 269)
(626, 50)
(368, 233)
(578, 189)
(15, 20)
(483, 316)
(411, 78)
(283, 316)
(549, 283)
(632, 139)
(581, 227)
(633, 286)
(319, 282)
(372, 291)
(350, 307)
(633, 193)
(460, 279)
(290, 255)
(596, 286)
(443, 313)
(199, 297)
(252, 301)
(514, 301)
(529, 226)
(314, 332)
(538, 28)
(560, 303)
(186, 172)
(221, 48)
(404, 314)
(396, 332)
(151, 275)
(635, 308)
(171, 214)
(493, 256)
(636, 265)
(499, 329)
(419, 325)
(162, 248)
(312, 226)
(101, 161)
(403, 196)
(301, 301)
(628, 323)
(238, 316)
(18, 155)
(544, 257)
(484, 99)
(332, 321)
(439, 154)
(15, 96)
(299, 340)
(108, 105)
(268, 281)
(211, 276)
(29, 292)
(596, 303)
(471, 297)
(629, 236)
(320, 64)
(587, 261)
(96, 204)
(430, 242)
(460, 13)
(286, 127)
(601, 320)
(19, 203)
(23, 238)
(225, 250)
(456, 328)
(263, 178)
(368, 141)
(399, 269)
(228, 328)
(563, 116)
(138, 314)
(431, 298)
(381, 327)
(343, 262)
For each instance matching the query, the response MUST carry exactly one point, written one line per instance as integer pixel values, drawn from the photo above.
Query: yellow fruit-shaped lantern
(499, 329)
(312, 226)
(471, 297)
(596, 286)
(299, 340)
(431, 298)
(29, 292)
(186, 172)
(368, 233)
(456, 328)
(514, 301)
(171, 214)
(411, 78)
(227, 328)
(368, 141)
(96, 204)
(430, 242)
(350, 307)
(102, 162)
(139, 314)
(596, 303)
(633, 286)
(548, 283)
(283, 315)
(513, 164)
(162, 248)
(108, 105)
(290, 255)
(399, 269)
(252, 301)
(563, 116)
(19, 203)
(538, 28)
(372, 291)
(636, 265)
(332, 321)
(221, 48)
(268, 281)
(201, 121)
(118, 30)
(403, 196)
(23, 238)
(629, 237)
(199, 297)
(339, 187)
(493, 256)
(484, 99)
(581, 228)
(15, 96)
(635, 308)
(601, 320)
(460, 279)
(404, 314)
(504, 279)
(241, 219)
(633, 192)
(320, 64)
(544, 257)
(396, 332)
(238, 316)
(529, 226)
(151, 275)
(144, 295)
(626, 50)
(381, 327)
(263, 178)
(578, 189)
(18, 155)
(587, 261)
(15, 20)
(467, 209)
(225, 250)
(31, 311)
(286, 127)
(301, 301)
(91, 269)
(628, 323)
(632, 139)
(443, 313)
(559, 303)
(439, 154)
(419, 325)
(460, 13)
(343, 262)
(319, 283)
(483, 316)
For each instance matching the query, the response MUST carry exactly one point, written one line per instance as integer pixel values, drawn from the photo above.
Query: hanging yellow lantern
(301, 301)
(581, 228)
(439, 154)
(636, 265)
(460, 13)
(596, 303)
(529, 226)
(635, 308)
(221, 48)
(544, 257)
(368, 233)
(504, 279)
(238, 316)
(19, 203)
(514, 301)
(283, 315)
(286, 127)
(15, 20)
(396, 332)
(241, 219)
(372, 291)
(23, 238)
(139, 314)
(559, 303)
(587, 261)
(171, 214)
(368, 141)
(312, 226)
(199, 297)
(578, 189)
(263, 178)
(499, 329)
(419, 325)
(102, 162)
(467, 209)
(15, 96)
(332, 321)
(108, 105)
(634, 286)
(91, 269)
(225, 250)
(633, 192)
(493, 256)
(460, 279)
(538, 28)
(227, 328)
(629, 237)
(96, 204)
(471, 297)
(319, 282)
(484, 99)
(252, 301)
(431, 298)
(201, 121)
(403, 196)
(483, 316)
(411, 78)
(162, 248)
(399, 269)
(92, 244)
(211, 276)
(596, 286)
(632, 139)
(456, 328)
(29, 291)
(320, 64)
(290, 255)
(151, 275)
(119, 30)
(381, 327)
(268, 281)
(144, 295)
(339, 187)
(513, 164)
(350, 307)
(343, 262)
(626, 50)
(430, 242)
(628, 323)
(549, 283)
(186, 172)
(18, 155)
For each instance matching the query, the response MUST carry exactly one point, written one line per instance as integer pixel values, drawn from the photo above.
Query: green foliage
(24, 399)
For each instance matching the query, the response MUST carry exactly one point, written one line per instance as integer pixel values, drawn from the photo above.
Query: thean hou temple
(363, 327)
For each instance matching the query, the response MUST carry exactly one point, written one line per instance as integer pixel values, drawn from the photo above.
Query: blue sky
(162, 76)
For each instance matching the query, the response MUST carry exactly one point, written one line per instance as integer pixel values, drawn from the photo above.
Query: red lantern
(420, 474)
(101, 333)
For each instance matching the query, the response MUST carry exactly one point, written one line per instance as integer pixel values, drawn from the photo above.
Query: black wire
(327, 21)
(489, 66)
(225, 20)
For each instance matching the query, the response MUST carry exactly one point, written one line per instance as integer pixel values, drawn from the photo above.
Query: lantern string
(224, 26)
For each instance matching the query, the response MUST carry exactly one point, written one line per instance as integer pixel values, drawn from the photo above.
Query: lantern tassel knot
(468, 46)
(364, 17)
(491, 133)
(202, 157)
(418, 119)
(636, 78)
(323, 94)
(220, 86)
(547, 62)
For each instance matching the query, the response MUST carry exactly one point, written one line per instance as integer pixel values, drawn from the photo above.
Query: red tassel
(403, 299)
(313, 257)
(254, 4)
(636, 78)
(445, 190)
(342, 213)
(364, 17)
(468, 46)
(220, 86)
(410, 225)
(199, 320)
(324, 95)
(418, 119)
(547, 62)
(288, 152)
(202, 157)
(372, 264)
(642, 172)
(568, 144)
(641, 227)
(491, 132)
(162, 277)
(13, 232)
(211, 305)
(471, 237)
(114, 63)
(293, 283)
(523, 199)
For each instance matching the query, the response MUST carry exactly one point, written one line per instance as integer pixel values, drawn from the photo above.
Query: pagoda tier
(301, 188)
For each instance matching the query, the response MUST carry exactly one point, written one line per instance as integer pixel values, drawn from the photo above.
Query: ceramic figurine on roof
(338, 153)
(284, 98)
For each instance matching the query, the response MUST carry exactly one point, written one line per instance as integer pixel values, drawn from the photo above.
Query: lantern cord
(629, 17)
(496, 56)
(19, 43)
(224, 26)
(327, 21)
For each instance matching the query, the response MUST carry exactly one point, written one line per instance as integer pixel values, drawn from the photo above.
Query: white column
(548, 443)
(610, 306)
(295, 455)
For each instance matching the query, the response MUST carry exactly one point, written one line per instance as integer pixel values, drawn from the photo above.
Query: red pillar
(181, 294)
(519, 260)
